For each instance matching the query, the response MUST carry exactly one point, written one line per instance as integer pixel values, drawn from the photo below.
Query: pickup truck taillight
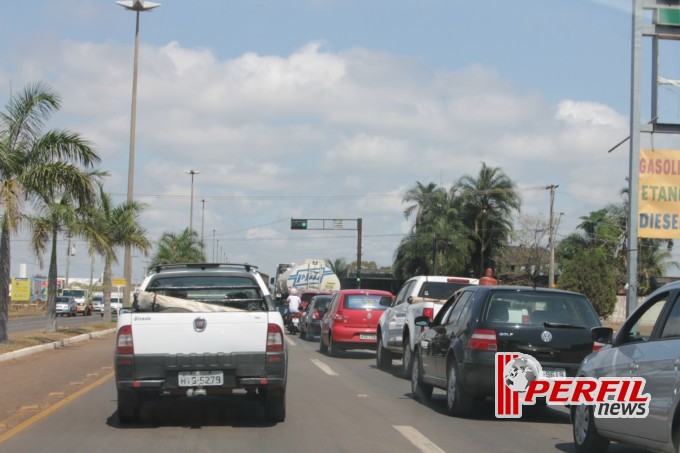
(124, 344)
(315, 314)
(274, 338)
(483, 340)
(429, 312)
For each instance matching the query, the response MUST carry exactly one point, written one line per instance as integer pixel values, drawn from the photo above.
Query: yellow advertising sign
(659, 194)
(21, 290)
(118, 282)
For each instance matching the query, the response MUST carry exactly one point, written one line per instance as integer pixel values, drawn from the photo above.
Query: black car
(457, 353)
(310, 320)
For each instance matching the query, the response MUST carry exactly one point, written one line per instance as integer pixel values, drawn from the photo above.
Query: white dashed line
(325, 368)
(421, 442)
(291, 342)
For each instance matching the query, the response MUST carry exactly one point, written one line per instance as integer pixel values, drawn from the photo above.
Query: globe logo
(520, 372)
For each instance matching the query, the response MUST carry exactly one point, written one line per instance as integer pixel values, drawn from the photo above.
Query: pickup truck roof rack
(157, 268)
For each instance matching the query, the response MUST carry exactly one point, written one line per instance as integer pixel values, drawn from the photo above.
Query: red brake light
(315, 314)
(597, 346)
(525, 319)
(124, 344)
(457, 280)
(483, 340)
(338, 316)
(429, 312)
(274, 338)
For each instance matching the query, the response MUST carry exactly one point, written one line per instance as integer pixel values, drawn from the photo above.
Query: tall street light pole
(191, 209)
(202, 226)
(137, 6)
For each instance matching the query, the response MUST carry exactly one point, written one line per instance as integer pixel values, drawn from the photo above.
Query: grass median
(28, 338)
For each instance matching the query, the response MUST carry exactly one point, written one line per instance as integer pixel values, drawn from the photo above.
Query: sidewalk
(54, 345)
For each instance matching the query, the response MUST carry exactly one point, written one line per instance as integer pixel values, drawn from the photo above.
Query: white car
(422, 295)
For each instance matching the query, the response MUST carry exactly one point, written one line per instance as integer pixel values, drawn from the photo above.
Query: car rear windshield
(440, 290)
(201, 293)
(535, 307)
(321, 301)
(363, 301)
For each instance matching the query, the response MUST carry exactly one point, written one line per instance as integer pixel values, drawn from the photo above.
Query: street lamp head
(138, 5)
(192, 172)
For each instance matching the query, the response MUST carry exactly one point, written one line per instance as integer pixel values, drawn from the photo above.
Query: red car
(350, 320)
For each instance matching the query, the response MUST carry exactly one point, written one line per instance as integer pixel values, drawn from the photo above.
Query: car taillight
(483, 340)
(124, 344)
(525, 319)
(274, 338)
(597, 346)
(338, 316)
(429, 312)
(315, 314)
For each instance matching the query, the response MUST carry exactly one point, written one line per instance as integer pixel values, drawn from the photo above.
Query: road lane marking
(291, 342)
(325, 368)
(421, 442)
(40, 415)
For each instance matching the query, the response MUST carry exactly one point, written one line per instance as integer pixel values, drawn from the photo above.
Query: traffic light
(298, 224)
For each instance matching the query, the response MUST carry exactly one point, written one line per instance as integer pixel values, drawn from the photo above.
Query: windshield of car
(364, 301)
(62, 300)
(306, 297)
(440, 290)
(539, 308)
(77, 293)
(201, 293)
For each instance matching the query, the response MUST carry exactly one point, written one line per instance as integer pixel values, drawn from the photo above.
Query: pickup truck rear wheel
(407, 359)
(275, 405)
(383, 356)
(129, 404)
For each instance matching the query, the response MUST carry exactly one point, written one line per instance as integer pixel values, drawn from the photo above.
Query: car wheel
(322, 347)
(333, 349)
(129, 404)
(275, 405)
(586, 437)
(407, 359)
(383, 356)
(419, 390)
(458, 401)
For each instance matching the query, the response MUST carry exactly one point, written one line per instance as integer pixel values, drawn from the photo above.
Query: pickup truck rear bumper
(160, 372)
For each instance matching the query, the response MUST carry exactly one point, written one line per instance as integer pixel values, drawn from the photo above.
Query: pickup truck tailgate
(199, 333)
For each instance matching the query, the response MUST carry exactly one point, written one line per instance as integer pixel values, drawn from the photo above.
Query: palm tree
(487, 204)
(58, 211)
(185, 247)
(338, 265)
(109, 226)
(31, 160)
(423, 197)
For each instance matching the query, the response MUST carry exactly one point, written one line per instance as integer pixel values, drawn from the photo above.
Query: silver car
(66, 306)
(647, 346)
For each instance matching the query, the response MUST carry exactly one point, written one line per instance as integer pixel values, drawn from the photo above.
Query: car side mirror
(409, 299)
(602, 334)
(423, 321)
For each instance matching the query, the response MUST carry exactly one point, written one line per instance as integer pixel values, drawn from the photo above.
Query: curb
(54, 345)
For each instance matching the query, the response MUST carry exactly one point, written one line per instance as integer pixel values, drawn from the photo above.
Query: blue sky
(331, 109)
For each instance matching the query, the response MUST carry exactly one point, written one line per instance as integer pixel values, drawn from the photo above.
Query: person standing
(488, 279)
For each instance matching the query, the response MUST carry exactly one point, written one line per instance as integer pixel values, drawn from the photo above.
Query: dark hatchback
(458, 352)
(310, 320)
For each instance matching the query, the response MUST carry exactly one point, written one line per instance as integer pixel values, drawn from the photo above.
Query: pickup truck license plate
(367, 336)
(551, 373)
(200, 378)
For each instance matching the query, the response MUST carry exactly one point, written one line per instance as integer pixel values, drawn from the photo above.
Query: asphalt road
(65, 400)
(26, 323)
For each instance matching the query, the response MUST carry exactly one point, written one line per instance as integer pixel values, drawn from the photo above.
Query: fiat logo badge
(200, 324)
(546, 336)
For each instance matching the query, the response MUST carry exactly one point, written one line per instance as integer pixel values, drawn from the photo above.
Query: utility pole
(359, 222)
(202, 226)
(551, 237)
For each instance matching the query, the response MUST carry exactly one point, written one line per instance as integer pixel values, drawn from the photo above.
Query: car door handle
(633, 368)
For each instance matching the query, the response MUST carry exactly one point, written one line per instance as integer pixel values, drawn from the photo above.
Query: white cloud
(320, 134)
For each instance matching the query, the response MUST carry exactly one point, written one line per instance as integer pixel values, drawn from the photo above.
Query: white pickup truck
(422, 295)
(201, 329)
